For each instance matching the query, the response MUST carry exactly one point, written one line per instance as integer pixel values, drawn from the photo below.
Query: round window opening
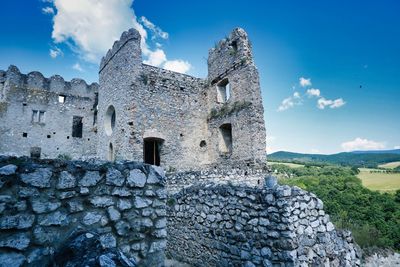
(109, 120)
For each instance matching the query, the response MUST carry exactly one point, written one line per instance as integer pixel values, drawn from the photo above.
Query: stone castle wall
(43, 203)
(21, 129)
(181, 112)
(224, 225)
(254, 177)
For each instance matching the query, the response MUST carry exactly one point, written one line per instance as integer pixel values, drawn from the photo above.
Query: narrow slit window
(77, 126)
(35, 116)
(41, 116)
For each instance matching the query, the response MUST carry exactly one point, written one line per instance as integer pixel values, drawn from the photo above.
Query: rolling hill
(370, 159)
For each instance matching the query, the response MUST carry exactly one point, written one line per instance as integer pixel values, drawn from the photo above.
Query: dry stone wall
(43, 203)
(224, 225)
(251, 176)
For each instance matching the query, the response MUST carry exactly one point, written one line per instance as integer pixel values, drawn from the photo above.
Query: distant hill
(370, 159)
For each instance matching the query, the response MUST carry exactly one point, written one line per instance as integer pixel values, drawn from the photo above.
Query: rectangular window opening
(61, 99)
(24, 134)
(77, 126)
(223, 91)
(225, 143)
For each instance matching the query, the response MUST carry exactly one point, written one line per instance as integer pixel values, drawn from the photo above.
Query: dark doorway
(151, 151)
(77, 126)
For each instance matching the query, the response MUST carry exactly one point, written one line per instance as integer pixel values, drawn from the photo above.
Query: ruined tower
(178, 121)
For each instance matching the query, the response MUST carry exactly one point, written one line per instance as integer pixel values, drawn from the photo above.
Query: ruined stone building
(140, 112)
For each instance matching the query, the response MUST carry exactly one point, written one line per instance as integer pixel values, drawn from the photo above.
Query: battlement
(56, 84)
(126, 36)
(230, 53)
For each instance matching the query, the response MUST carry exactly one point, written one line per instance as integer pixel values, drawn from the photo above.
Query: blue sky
(348, 50)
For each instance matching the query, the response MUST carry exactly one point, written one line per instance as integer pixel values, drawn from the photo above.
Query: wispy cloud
(89, 28)
(304, 82)
(290, 102)
(55, 52)
(337, 103)
(48, 10)
(157, 32)
(396, 147)
(362, 144)
(77, 67)
(313, 92)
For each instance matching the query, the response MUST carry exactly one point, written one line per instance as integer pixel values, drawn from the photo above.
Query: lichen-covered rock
(8, 169)
(91, 178)
(85, 249)
(102, 201)
(136, 178)
(39, 178)
(57, 218)
(11, 259)
(18, 241)
(91, 218)
(66, 180)
(114, 177)
(45, 205)
(20, 221)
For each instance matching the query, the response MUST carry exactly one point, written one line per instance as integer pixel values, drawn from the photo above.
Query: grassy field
(390, 165)
(291, 165)
(379, 180)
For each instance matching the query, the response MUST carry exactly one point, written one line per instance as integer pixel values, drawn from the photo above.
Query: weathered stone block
(8, 169)
(114, 177)
(136, 178)
(20, 221)
(11, 259)
(102, 202)
(45, 205)
(57, 218)
(39, 178)
(66, 180)
(91, 178)
(18, 241)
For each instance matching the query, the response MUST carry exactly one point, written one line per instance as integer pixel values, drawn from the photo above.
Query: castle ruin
(140, 112)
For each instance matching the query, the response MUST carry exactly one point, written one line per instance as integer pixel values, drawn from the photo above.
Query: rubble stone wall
(44, 202)
(33, 118)
(224, 225)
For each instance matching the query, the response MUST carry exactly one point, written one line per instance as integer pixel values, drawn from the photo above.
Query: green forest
(373, 217)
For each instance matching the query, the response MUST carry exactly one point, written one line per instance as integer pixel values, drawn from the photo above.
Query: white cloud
(362, 144)
(55, 52)
(157, 32)
(337, 103)
(396, 147)
(90, 28)
(48, 10)
(77, 67)
(290, 102)
(314, 151)
(178, 65)
(313, 92)
(156, 58)
(304, 81)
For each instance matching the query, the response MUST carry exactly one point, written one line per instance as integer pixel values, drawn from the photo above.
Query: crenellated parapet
(229, 54)
(56, 84)
(126, 36)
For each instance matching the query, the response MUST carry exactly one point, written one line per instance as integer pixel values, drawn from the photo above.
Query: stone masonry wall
(21, 130)
(251, 176)
(44, 202)
(223, 225)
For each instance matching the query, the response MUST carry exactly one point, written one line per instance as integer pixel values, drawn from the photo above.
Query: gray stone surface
(36, 220)
(66, 180)
(11, 259)
(114, 177)
(18, 241)
(136, 178)
(39, 178)
(8, 169)
(231, 225)
(91, 178)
